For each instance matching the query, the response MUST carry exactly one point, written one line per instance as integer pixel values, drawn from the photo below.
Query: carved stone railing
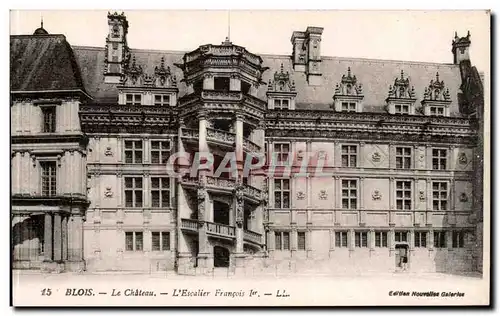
(250, 146)
(189, 224)
(220, 136)
(190, 180)
(190, 133)
(221, 229)
(222, 95)
(252, 192)
(221, 182)
(252, 236)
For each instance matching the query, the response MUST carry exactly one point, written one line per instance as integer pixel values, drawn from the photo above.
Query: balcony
(221, 137)
(252, 193)
(190, 133)
(221, 230)
(189, 224)
(250, 146)
(252, 237)
(222, 95)
(222, 184)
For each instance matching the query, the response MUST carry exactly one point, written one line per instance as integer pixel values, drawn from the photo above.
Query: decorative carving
(463, 197)
(239, 194)
(462, 159)
(108, 193)
(201, 202)
(322, 154)
(376, 157)
(436, 91)
(300, 155)
(323, 195)
(401, 88)
(376, 195)
(281, 82)
(301, 195)
(348, 86)
(108, 151)
(135, 76)
(421, 196)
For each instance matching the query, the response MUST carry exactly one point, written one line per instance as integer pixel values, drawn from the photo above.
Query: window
(133, 241)
(49, 178)
(401, 236)
(361, 239)
(401, 109)
(349, 156)
(348, 107)
(221, 84)
(160, 192)
(160, 152)
(281, 193)
(133, 99)
(349, 194)
(458, 239)
(49, 119)
(437, 110)
(420, 239)
(281, 104)
(282, 240)
(162, 99)
(281, 152)
(380, 239)
(160, 241)
(341, 239)
(133, 151)
(439, 196)
(133, 192)
(403, 157)
(439, 159)
(403, 195)
(301, 240)
(440, 239)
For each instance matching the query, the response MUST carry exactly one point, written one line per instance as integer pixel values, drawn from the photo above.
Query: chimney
(460, 48)
(313, 42)
(299, 53)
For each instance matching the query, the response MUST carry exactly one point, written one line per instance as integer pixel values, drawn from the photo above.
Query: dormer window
(401, 109)
(436, 110)
(348, 107)
(401, 98)
(281, 91)
(133, 99)
(281, 104)
(138, 87)
(162, 99)
(348, 94)
(437, 99)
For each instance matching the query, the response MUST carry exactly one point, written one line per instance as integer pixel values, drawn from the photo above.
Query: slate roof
(375, 75)
(43, 63)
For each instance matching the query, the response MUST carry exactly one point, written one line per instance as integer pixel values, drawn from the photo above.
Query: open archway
(221, 257)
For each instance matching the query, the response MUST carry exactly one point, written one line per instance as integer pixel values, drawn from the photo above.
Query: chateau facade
(99, 134)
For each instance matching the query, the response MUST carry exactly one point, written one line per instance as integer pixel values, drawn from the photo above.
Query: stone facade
(401, 169)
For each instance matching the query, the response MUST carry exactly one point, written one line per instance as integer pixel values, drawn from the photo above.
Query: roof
(43, 63)
(375, 75)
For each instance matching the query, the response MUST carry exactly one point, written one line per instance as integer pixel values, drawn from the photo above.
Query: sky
(395, 35)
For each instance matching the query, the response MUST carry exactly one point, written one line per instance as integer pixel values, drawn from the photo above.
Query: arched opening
(221, 213)
(221, 257)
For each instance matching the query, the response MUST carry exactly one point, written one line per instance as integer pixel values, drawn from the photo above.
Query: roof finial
(437, 76)
(281, 68)
(402, 76)
(348, 71)
(41, 21)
